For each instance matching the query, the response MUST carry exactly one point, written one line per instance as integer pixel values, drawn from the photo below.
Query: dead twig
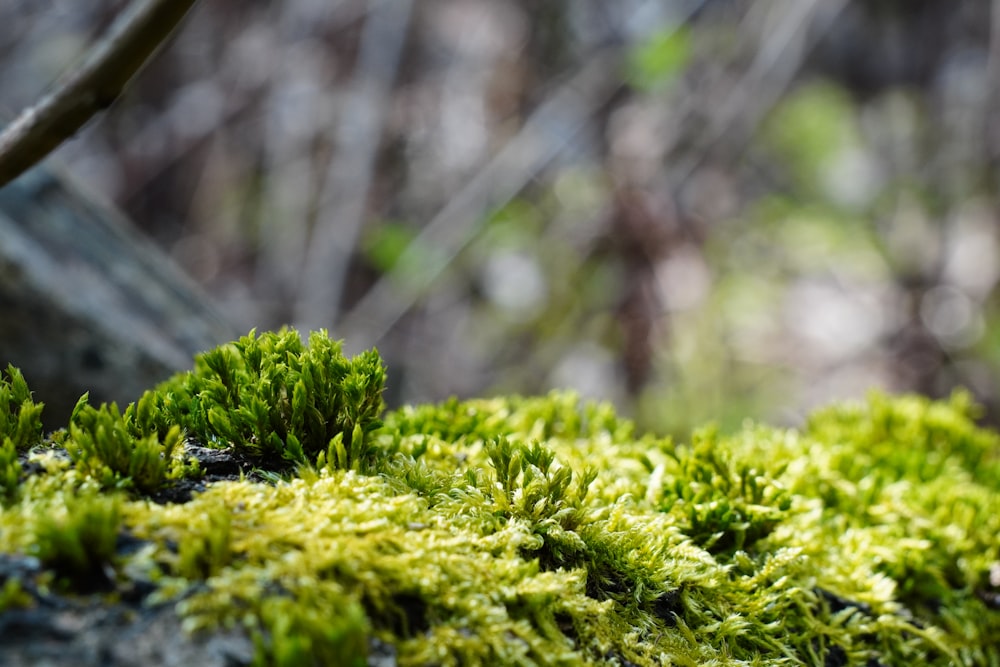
(91, 88)
(344, 199)
(548, 130)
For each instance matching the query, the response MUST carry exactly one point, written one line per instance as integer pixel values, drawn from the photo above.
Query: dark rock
(88, 304)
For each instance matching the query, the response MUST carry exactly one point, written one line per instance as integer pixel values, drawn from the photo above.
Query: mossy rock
(263, 509)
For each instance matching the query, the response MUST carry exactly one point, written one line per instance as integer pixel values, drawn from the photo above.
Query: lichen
(515, 531)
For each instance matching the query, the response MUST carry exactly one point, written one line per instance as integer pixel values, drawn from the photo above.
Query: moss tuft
(520, 531)
(102, 445)
(275, 399)
(77, 539)
(20, 429)
(20, 416)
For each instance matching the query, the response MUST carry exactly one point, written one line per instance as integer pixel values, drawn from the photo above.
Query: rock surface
(87, 303)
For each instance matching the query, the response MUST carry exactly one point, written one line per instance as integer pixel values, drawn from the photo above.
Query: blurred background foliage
(699, 210)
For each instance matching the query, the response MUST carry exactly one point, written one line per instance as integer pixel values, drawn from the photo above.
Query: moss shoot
(509, 531)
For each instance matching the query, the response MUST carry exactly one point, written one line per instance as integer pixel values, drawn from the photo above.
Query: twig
(538, 143)
(792, 28)
(993, 67)
(102, 77)
(341, 209)
(547, 132)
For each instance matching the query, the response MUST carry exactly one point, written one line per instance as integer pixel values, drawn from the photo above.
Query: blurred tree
(698, 209)
(87, 305)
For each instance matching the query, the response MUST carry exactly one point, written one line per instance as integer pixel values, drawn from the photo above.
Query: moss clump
(20, 428)
(20, 417)
(101, 444)
(77, 539)
(276, 400)
(526, 531)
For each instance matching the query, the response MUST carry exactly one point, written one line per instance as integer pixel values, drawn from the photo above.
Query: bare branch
(91, 88)
(547, 131)
(345, 195)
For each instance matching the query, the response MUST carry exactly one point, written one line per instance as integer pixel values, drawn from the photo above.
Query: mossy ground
(509, 531)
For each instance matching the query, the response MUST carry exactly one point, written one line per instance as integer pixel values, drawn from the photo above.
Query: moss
(101, 444)
(20, 429)
(520, 531)
(20, 417)
(274, 399)
(76, 539)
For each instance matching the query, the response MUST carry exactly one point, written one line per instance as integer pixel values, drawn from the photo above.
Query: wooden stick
(91, 88)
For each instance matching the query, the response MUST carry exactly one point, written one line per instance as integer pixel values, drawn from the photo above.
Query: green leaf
(659, 60)
(385, 243)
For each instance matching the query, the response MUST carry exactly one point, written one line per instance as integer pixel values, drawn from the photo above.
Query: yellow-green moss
(525, 531)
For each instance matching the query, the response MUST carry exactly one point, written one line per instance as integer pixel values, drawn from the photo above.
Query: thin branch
(538, 143)
(341, 209)
(791, 29)
(91, 88)
(993, 67)
(548, 130)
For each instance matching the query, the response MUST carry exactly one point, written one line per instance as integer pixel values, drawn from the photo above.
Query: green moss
(274, 399)
(20, 417)
(10, 470)
(524, 531)
(76, 539)
(20, 429)
(12, 596)
(101, 444)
